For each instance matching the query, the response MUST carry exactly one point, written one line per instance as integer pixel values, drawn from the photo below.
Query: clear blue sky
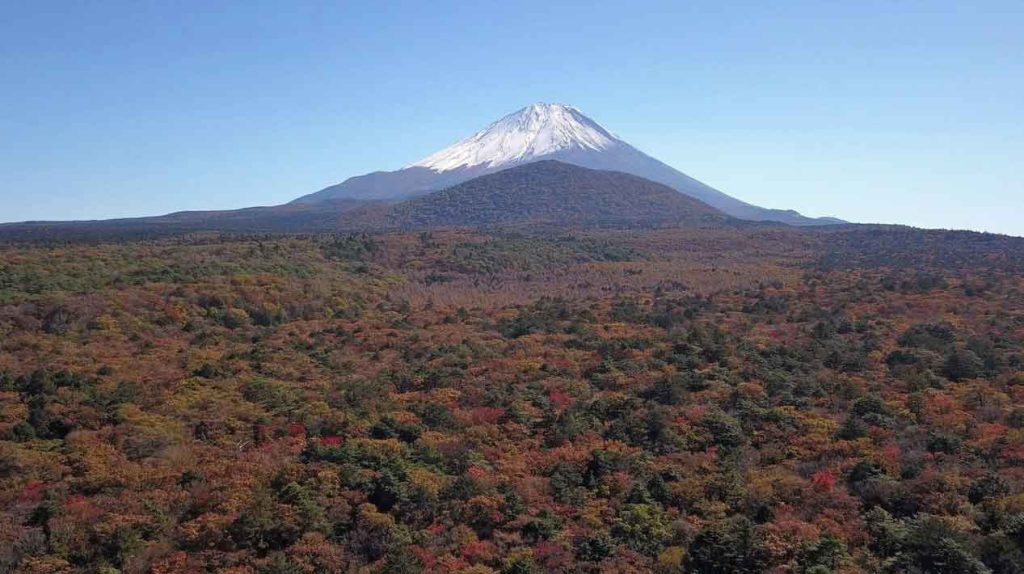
(894, 111)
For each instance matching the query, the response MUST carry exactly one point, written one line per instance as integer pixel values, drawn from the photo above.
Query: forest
(478, 401)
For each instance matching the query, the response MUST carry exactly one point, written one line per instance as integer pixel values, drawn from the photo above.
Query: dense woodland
(669, 400)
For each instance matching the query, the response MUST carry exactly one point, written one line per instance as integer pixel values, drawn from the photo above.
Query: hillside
(290, 218)
(725, 399)
(545, 192)
(555, 192)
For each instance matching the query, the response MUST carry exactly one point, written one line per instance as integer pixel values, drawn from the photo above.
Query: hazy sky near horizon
(875, 111)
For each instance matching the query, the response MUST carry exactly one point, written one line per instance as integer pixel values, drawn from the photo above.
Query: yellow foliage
(447, 395)
(44, 565)
(104, 323)
(368, 514)
(670, 561)
(427, 481)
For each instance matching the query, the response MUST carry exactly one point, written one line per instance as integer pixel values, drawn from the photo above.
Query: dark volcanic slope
(555, 192)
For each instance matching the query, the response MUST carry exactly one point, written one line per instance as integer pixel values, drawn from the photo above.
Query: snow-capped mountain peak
(530, 133)
(537, 132)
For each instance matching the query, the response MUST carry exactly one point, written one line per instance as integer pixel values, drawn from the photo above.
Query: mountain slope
(540, 131)
(290, 218)
(545, 191)
(549, 191)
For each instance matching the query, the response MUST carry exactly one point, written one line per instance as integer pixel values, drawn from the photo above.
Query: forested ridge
(666, 400)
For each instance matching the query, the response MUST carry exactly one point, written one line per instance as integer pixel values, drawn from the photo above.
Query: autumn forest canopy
(719, 400)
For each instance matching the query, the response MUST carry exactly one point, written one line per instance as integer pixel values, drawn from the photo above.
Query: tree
(726, 547)
(643, 528)
(930, 546)
(962, 364)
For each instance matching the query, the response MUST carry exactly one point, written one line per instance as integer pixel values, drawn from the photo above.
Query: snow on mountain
(540, 131)
(528, 134)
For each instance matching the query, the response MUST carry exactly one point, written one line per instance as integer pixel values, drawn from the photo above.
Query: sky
(891, 111)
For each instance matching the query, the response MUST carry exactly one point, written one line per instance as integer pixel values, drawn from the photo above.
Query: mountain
(541, 192)
(331, 215)
(549, 191)
(541, 131)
